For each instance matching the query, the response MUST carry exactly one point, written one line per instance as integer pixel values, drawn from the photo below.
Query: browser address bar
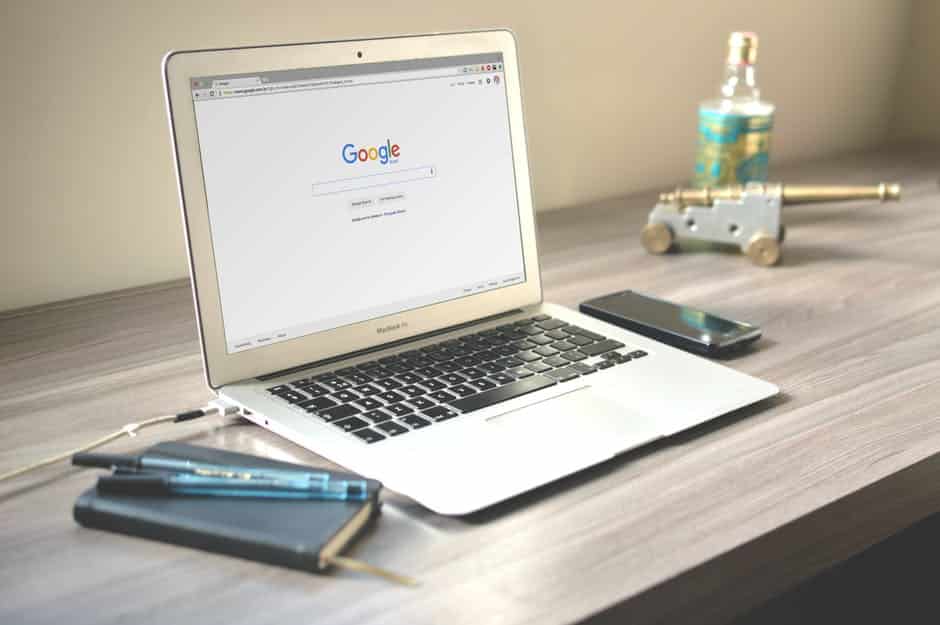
(358, 183)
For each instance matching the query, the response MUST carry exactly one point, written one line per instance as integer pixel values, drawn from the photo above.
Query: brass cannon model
(748, 216)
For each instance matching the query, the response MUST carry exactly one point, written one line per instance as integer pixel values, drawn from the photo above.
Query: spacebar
(508, 391)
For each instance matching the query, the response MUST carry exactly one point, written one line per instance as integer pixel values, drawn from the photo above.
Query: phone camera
(359, 54)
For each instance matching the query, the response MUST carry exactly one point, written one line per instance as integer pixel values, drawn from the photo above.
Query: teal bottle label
(732, 148)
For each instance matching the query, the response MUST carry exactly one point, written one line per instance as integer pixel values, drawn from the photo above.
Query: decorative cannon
(746, 216)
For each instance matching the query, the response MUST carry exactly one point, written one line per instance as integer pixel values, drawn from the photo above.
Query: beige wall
(610, 88)
(919, 101)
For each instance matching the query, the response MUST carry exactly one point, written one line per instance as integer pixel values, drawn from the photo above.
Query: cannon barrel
(789, 194)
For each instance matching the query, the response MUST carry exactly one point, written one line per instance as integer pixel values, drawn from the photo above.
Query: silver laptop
(360, 224)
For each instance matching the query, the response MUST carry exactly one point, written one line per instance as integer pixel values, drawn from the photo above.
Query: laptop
(362, 245)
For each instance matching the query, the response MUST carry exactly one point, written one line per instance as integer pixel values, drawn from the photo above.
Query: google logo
(383, 153)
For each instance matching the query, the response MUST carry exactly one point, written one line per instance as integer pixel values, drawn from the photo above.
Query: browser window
(338, 195)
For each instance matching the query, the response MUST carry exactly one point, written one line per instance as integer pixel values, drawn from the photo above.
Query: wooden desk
(694, 529)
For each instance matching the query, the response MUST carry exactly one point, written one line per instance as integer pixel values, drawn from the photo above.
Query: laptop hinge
(383, 346)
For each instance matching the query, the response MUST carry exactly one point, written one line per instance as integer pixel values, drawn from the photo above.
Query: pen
(175, 465)
(188, 484)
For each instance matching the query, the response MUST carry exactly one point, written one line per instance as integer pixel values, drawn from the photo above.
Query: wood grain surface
(694, 529)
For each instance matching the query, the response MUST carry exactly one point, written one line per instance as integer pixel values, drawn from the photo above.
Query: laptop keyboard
(414, 389)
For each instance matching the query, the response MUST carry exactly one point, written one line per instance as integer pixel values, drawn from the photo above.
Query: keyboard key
(583, 369)
(563, 346)
(557, 334)
(432, 385)
(369, 435)
(491, 367)
(314, 390)
(429, 372)
(421, 403)
(506, 350)
(337, 384)
(541, 318)
(525, 345)
(579, 340)
(439, 413)
(369, 403)
(409, 378)
(421, 362)
(488, 355)
(538, 367)
(280, 388)
(369, 364)
(502, 378)
(412, 390)
(639, 353)
(556, 361)
(545, 350)
(521, 372)
(596, 349)
(482, 384)
(357, 378)
(367, 389)
(399, 367)
(379, 372)
(528, 356)
(389, 383)
(390, 397)
(453, 378)
(605, 364)
(530, 330)
(564, 374)
(514, 335)
(293, 397)
(472, 373)
(350, 424)
(399, 409)
(591, 335)
(376, 416)
(388, 360)
(551, 324)
(574, 355)
(524, 322)
(414, 421)
(391, 428)
(339, 412)
(541, 339)
(345, 396)
(468, 361)
(502, 393)
(448, 367)
(443, 396)
(462, 389)
(317, 404)
(509, 363)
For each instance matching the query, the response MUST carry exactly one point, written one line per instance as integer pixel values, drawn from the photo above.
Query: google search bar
(358, 183)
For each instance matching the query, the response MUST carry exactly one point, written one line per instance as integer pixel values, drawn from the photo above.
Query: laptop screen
(342, 194)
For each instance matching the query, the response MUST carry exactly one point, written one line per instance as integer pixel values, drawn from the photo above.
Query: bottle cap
(742, 48)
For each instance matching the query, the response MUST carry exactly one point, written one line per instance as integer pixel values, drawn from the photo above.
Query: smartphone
(680, 326)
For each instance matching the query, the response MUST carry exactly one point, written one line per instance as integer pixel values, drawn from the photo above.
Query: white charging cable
(215, 407)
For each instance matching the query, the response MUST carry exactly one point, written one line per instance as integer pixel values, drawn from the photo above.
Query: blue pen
(175, 465)
(187, 484)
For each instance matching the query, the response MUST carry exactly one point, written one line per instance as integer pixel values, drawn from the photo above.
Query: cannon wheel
(763, 250)
(657, 238)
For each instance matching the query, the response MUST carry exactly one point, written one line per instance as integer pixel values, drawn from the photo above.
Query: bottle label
(732, 148)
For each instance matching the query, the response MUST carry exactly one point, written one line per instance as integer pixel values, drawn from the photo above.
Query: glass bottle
(734, 130)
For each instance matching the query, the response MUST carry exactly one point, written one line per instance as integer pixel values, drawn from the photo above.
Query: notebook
(307, 535)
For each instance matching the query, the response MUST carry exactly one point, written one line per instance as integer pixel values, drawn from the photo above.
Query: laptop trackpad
(576, 418)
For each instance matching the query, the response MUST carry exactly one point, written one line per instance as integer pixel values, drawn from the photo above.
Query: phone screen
(681, 320)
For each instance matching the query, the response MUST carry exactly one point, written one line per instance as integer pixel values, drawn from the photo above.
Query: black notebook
(298, 534)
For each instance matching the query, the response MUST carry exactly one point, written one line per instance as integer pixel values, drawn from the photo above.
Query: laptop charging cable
(213, 408)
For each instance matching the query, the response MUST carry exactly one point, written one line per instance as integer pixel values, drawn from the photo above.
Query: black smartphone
(680, 326)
